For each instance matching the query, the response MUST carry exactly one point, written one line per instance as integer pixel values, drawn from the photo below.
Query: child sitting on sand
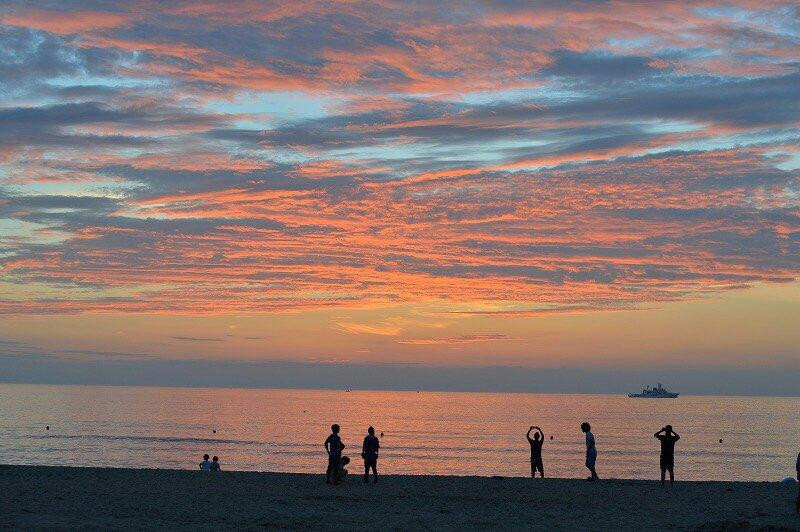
(214, 464)
(205, 465)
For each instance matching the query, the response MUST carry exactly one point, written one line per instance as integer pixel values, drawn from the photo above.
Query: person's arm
(377, 446)
(658, 433)
(528, 435)
(327, 444)
(541, 432)
(677, 436)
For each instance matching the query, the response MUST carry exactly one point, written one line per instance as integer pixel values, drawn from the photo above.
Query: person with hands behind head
(667, 437)
(536, 451)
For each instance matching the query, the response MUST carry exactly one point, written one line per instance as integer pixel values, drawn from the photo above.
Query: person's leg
(330, 471)
(375, 469)
(797, 504)
(591, 460)
(366, 470)
(336, 468)
(671, 475)
(663, 473)
(533, 468)
(540, 467)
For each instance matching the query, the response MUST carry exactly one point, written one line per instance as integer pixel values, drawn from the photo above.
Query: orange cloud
(458, 340)
(65, 23)
(363, 328)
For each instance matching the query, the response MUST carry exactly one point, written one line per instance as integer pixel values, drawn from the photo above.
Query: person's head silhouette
(585, 427)
(335, 428)
(668, 428)
(371, 431)
(536, 436)
(205, 457)
(215, 459)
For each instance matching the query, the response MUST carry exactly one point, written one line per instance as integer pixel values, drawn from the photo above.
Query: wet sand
(61, 497)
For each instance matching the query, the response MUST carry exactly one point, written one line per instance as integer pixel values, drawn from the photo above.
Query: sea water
(421, 433)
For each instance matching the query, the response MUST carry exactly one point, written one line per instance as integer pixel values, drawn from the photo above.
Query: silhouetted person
(536, 450)
(334, 446)
(591, 450)
(343, 461)
(205, 465)
(369, 451)
(214, 464)
(667, 437)
(797, 468)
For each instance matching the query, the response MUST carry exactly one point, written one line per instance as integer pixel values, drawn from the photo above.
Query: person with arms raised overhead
(369, 451)
(591, 451)
(667, 437)
(334, 447)
(536, 451)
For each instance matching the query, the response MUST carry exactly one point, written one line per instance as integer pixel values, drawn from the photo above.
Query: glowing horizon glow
(466, 183)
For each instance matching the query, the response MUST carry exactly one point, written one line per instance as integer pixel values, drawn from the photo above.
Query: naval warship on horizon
(655, 393)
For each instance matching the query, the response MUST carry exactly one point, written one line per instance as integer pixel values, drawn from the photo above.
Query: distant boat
(655, 393)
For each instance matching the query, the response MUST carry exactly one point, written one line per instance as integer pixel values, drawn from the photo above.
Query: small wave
(151, 439)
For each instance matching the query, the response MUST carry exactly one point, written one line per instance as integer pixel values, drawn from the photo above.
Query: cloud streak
(459, 340)
(560, 156)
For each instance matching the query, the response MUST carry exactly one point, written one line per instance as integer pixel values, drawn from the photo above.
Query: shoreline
(78, 497)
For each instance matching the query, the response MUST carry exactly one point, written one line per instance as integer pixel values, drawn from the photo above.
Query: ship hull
(653, 396)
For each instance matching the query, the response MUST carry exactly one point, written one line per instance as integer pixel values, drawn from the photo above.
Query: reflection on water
(424, 433)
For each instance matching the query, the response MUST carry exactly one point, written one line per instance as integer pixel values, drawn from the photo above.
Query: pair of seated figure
(209, 465)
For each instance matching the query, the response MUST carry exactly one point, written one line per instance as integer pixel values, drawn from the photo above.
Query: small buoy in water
(47, 427)
(381, 434)
(214, 431)
(304, 411)
(551, 436)
(720, 440)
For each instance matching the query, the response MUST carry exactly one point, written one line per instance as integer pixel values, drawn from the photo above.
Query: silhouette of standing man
(334, 446)
(369, 451)
(667, 437)
(536, 451)
(591, 451)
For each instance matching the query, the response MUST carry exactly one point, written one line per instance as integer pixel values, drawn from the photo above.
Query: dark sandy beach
(61, 497)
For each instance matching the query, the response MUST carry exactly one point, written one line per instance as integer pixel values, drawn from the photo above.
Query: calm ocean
(423, 433)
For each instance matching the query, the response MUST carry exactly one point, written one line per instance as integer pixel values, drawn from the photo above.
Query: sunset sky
(554, 185)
